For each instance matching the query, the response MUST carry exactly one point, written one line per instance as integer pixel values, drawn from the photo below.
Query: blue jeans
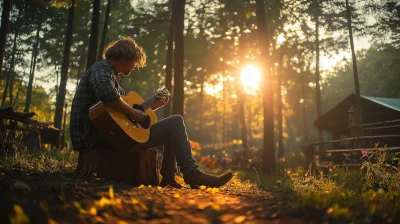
(171, 132)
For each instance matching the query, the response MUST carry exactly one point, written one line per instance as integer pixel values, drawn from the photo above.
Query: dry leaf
(240, 219)
(111, 192)
(19, 216)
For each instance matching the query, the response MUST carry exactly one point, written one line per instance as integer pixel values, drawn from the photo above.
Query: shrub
(381, 166)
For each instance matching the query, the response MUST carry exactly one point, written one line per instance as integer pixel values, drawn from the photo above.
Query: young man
(101, 82)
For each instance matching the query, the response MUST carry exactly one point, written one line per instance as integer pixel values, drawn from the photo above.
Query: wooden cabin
(380, 116)
(380, 123)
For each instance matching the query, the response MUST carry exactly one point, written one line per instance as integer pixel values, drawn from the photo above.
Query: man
(101, 82)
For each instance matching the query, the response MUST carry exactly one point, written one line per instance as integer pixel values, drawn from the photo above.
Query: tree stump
(134, 167)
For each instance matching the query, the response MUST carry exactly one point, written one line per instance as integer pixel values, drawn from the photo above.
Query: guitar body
(116, 127)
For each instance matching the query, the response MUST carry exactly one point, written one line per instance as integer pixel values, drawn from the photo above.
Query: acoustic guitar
(119, 129)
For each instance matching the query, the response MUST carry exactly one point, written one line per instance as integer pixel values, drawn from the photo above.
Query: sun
(251, 79)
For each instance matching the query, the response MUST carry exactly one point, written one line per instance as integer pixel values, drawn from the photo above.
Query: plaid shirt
(100, 82)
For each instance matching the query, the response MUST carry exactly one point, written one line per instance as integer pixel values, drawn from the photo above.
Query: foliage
(347, 195)
(377, 67)
(62, 161)
(352, 195)
(385, 28)
(382, 171)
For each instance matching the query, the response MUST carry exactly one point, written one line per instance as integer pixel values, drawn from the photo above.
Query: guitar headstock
(163, 92)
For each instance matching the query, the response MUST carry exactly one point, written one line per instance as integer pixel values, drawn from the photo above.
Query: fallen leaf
(111, 192)
(240, 219)
(19, 216)
(51, 221)
(93, 211)
(330, 210)
(216, 206)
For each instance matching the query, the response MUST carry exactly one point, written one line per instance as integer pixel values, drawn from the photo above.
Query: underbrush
(364, 195)
(40, 161)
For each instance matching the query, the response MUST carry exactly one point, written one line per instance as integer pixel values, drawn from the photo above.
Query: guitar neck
(147, 104)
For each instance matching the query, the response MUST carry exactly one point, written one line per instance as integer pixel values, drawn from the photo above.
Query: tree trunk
(17, 94)
(105, 28)
(242, 119)
(170, 58)
(235, 121)
(241, 95)
(201, 109)
(5, 17)
(201, 75)
(64, 69)
(3, 100)
(304, 99)
(57, 79)
(63, 128)
(134, 167)
(80, 71)
(12, 65)
(223, 113)
(268, 153)
(32, 69)
(178, 100)
(317, 75)
(355, 71)
(250, 120)
(94, 33)
(281, 150)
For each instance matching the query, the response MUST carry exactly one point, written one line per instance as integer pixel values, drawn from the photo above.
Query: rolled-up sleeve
(103, 86)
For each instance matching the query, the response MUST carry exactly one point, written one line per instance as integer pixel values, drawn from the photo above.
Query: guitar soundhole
(138, 107)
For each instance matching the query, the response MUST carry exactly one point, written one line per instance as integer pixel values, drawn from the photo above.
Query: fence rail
(359, 150)
(356, 138)
(378, 123)
(347, 156)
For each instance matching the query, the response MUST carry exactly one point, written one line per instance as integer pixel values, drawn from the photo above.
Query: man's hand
(162, 101)
(121, 106)
(139, 115)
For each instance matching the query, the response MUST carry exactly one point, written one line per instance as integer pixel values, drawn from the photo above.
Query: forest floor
(42, 188)
(61, 198)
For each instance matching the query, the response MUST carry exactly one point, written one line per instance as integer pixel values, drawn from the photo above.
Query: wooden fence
(351, 150)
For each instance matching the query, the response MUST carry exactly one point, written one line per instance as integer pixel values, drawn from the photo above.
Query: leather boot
(199, 178)
(165, 182)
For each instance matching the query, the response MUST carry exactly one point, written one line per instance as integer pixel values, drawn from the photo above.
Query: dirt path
(56, 198)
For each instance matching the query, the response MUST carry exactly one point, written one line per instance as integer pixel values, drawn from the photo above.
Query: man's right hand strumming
(120, 105)
(138, 115)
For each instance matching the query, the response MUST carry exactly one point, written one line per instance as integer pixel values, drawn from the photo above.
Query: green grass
(351, 195)
(41, 161)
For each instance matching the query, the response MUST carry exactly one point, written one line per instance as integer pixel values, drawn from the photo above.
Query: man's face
(127, 66)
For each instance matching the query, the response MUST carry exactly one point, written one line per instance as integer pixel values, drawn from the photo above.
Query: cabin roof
(375, 109)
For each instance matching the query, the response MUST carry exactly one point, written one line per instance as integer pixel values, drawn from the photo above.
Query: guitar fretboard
(147, 104)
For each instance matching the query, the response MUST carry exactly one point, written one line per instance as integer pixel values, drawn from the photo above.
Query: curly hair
(126, 48)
